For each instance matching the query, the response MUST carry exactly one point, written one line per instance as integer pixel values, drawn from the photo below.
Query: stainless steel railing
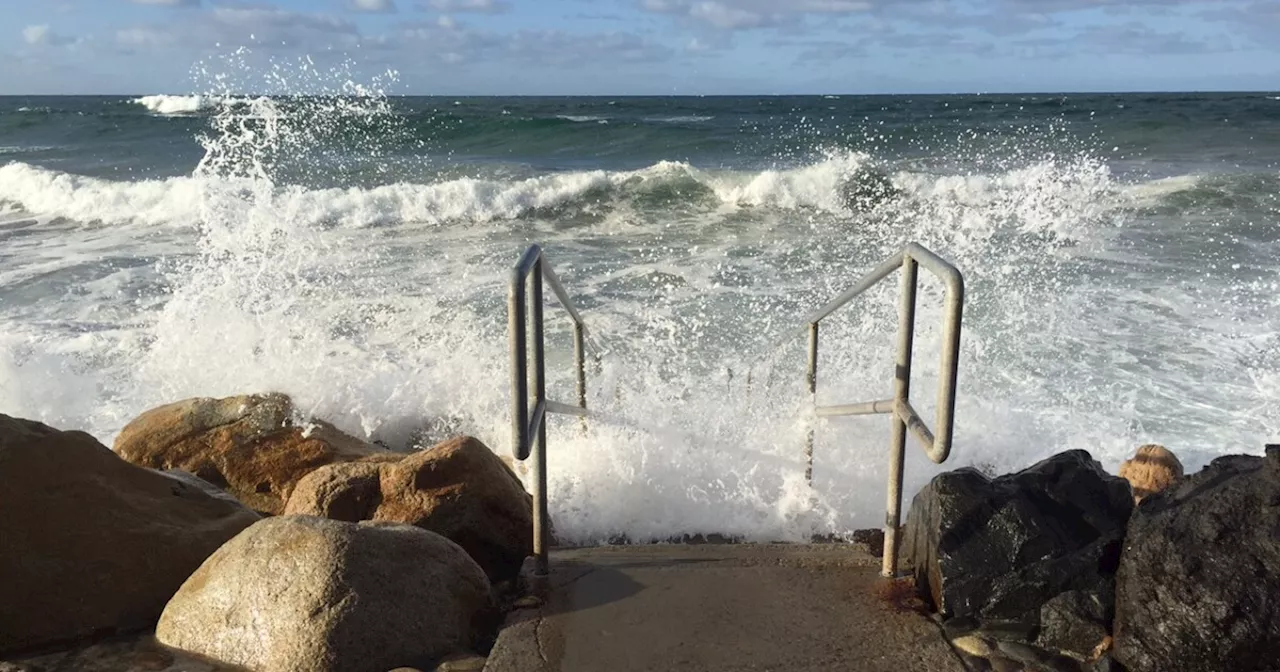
(905, 418)
(529, 427)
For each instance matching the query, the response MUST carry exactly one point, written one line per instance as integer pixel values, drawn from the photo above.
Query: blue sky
(460, 47)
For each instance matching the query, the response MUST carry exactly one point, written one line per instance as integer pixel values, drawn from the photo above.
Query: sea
(353, 249)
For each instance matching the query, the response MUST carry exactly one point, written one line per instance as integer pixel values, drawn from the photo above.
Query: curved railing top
(529, 427)
(906, 419)
(949, 275)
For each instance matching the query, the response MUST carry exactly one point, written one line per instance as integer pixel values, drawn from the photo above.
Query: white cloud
(372, 6)
(35, 34)
(42, 34)
(748, 14)
(478, 6)
(447, 42)
(144, 37)
(169, 3)
(724, 16)
(226, 26)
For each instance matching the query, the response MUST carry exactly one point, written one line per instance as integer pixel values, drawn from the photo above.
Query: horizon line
(1082, 92)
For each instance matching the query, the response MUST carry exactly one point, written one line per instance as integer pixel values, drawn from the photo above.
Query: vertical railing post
(580, 361)
(811, 380)
(540, 532)
(516, 326)
(901, 393)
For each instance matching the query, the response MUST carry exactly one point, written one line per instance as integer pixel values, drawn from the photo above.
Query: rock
(873, 539)
(527, 602)
(1105, 664)
(466, 662)
(1035, 658)
(999, 550)
(515, 466)
(1151, 470)
(307, 594)
(1199, 578)
(972, 645)
(249, 445)
(92, 543)
(458, 488)
(1076, 621)
(1002, 664)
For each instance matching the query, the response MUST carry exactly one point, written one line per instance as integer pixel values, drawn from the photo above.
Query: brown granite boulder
(90, 543)
(307, 594)
(1151, 470)
(253, 446)
(458, 488)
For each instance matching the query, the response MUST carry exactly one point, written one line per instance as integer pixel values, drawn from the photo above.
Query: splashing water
(299, 256)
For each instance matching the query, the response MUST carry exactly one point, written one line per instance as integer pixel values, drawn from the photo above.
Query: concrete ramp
(721, 608)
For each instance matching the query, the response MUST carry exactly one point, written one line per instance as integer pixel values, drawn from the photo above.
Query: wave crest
(168, 105)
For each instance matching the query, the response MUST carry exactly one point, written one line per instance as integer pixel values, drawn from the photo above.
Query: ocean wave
(583, 118)
(41, 191)
(1153, 192)
(682, 119)
(842, 184)
(14, 149)
(167, 105)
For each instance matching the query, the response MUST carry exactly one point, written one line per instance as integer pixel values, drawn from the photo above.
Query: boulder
(1151, 470)
(92, 543)
(250, 445)
(458, 488)
(307, 594)
(1035, 548)
(1199, 580)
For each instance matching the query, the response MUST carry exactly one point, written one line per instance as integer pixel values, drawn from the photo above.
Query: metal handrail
(905, 417)
(529, 428)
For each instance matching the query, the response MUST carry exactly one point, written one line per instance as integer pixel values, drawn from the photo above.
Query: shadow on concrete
(577, 587)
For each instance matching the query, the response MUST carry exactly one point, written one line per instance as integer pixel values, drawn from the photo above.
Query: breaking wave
(841, 184)
(177, 105)
(379, 305)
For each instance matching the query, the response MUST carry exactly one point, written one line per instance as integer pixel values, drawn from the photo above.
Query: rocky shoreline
(229, 534)
(233, 534)
(1065, 568)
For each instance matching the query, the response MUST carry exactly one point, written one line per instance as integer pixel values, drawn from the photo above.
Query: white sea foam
(381, 308)
(682, 119)
(183, 200)
(23, 150)
(178, 105)
(1152, 192)
(583, 118)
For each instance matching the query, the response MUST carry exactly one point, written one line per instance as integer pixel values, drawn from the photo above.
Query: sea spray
(315, 254)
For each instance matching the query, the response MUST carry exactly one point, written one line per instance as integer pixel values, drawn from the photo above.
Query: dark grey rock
(1036, 658)
(1199, 581)
(1106, 664)
(999, 550)
(1075, 621)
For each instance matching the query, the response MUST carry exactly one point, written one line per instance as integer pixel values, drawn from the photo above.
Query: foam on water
(682, 119)
(176, 105)
(381, 308)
